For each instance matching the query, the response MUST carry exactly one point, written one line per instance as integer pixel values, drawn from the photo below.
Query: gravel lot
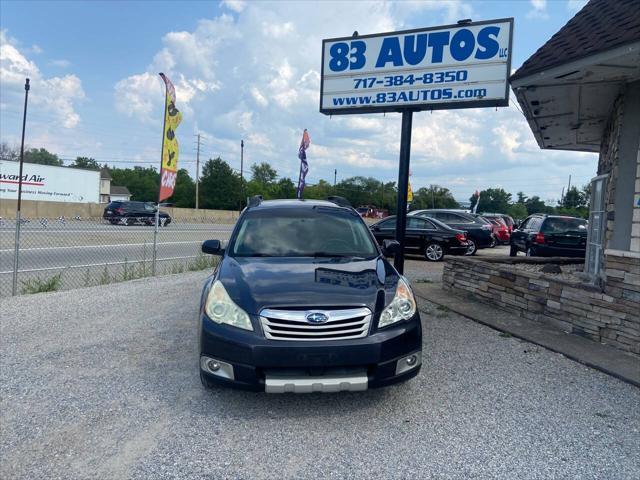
(103, 383)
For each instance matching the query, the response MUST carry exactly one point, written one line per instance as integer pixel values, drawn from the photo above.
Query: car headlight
(402, 307)
(221, 309)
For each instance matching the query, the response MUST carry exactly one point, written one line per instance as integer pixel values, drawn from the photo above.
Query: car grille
(293, 325)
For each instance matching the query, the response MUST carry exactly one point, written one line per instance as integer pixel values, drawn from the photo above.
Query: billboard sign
(48, 183)
(455, 66)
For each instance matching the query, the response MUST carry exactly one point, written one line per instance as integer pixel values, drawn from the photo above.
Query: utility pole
(18, 212)
(335, 176)
(241, 172)
(197, 171)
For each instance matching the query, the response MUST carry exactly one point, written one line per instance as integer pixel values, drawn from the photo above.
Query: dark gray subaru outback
(304, 300)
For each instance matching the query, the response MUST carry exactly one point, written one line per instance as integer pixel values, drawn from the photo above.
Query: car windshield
(308, 232)
(568, 224)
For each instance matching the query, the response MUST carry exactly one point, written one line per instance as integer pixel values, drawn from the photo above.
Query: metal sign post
(403, 186)
(16, 261)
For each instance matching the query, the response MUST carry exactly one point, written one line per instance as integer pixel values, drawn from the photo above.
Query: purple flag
(304, 166)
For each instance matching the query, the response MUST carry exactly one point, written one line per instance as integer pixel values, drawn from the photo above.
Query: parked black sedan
(479, 230)
(134, 213)
(550, 236)
(424, 236)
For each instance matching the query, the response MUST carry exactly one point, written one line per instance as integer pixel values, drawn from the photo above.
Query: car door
(384, 230)
(525, 232)
(416, 234)
(518, 234)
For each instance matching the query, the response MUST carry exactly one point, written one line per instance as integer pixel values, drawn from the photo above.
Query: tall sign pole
(403, 186)
(16, 261)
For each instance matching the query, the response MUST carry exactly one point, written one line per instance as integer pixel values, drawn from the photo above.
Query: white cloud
(538, 10)
(235, 5)
(253, 73)
(57, 96)
(277, 30)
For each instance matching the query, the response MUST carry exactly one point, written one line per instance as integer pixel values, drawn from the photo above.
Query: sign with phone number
(457, 66)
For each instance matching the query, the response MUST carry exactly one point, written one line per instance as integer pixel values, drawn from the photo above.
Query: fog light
(216, 367)
(410, 362)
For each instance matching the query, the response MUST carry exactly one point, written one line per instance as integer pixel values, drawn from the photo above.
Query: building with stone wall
(581, 91)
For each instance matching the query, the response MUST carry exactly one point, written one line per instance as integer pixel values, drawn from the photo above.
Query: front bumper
(260, 364)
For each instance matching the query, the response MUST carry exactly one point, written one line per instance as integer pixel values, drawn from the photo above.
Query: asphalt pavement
(104, 384)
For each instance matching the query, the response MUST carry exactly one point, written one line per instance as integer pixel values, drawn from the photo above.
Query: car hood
(257, 283)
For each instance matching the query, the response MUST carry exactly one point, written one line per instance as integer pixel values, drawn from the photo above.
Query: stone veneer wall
(611, 316)
(608, 162)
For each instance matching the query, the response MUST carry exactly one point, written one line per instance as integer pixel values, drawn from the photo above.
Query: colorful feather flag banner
(409, 192)
(172, 118)
(304, 166)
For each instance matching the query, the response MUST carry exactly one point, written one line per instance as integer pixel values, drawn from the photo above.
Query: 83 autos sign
(456, 66)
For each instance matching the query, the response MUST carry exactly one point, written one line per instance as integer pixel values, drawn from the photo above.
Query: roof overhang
(568, 106)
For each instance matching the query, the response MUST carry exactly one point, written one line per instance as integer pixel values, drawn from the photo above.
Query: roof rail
(254, 201)
(340, 201)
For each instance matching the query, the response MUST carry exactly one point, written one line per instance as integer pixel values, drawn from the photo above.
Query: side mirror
(212, 247)
(375, 228)
(390, 247)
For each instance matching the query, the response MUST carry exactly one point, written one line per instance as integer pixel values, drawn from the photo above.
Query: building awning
(568, 87)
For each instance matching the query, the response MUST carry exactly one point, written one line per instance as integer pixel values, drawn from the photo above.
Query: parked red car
(500, 230)
(505, 218)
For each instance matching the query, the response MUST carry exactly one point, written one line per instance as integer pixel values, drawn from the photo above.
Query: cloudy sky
(250, 70)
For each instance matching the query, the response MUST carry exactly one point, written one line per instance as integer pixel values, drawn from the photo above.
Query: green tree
(184, 193)
(522, 198)
(85, 163)
(535, 205)
(42, 157)
(433, 196)
(517, 211)
(263, 173)
(493, 200)
(219, 186)
(142, 182)
(574, 198)
(285, 188)
(320, 191)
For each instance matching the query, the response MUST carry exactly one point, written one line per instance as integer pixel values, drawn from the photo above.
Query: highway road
(88, 253)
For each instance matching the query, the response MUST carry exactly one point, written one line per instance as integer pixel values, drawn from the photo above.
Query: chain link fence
(66, 253)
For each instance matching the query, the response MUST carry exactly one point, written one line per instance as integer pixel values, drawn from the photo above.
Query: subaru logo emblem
(317, 318)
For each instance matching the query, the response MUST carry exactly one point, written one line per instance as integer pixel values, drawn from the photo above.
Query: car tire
(513, 251)
(493, 243)
(530, 252)
(434, 252)
(472, 248)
